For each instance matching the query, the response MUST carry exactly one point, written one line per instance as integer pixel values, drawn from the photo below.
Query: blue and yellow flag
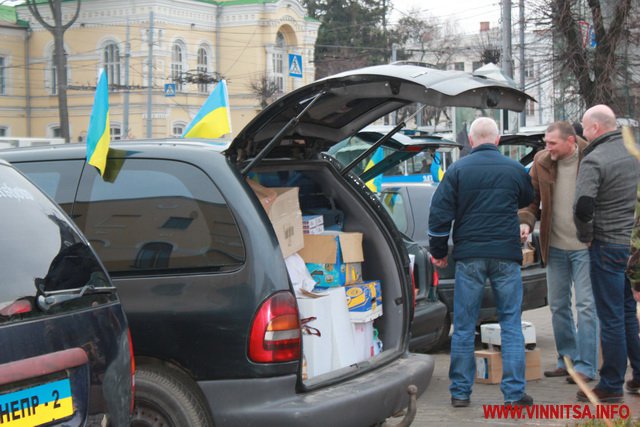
(375, 184)
(436, 167)
(99, 133)
(212, 121)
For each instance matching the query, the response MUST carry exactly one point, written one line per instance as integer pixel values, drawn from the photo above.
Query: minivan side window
(157, 215)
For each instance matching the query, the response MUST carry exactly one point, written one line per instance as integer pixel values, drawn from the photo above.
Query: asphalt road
(434, 406)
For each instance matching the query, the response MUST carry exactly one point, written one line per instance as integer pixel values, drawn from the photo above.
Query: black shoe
(583, 377)
(525, 400)
(558, 372)
(603, 396)
(460, 403)
(632, 386)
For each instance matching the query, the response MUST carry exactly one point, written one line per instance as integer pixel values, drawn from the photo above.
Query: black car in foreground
(201, 272)
(66, 355)
(408, 204)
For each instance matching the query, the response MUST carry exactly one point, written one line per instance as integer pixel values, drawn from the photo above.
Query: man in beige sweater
(553, 176)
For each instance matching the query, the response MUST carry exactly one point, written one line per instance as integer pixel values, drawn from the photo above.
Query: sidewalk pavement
(434, 406)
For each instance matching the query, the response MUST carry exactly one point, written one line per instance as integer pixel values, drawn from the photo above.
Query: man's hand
(440, 263)
(636, 294)
(524, 232)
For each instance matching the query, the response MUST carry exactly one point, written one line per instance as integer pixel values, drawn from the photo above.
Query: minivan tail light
(133, 372)
(17, 307)
(275, 330)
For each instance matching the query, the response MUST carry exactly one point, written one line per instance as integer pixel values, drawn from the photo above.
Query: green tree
(352, 34)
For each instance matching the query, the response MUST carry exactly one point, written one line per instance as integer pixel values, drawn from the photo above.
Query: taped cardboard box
(528, 254)
(333, 258)
(489, 366)
(283, 209)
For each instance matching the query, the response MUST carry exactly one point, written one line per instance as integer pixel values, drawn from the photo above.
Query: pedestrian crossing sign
(295, 65)
(169, 89)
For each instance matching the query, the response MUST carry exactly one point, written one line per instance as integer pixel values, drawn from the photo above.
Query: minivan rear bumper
(362, 401)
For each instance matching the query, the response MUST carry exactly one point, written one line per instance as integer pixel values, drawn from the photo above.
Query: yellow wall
(246, 32)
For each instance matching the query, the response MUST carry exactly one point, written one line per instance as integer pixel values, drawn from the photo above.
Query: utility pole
(507, 55)
(150, 79)
(125, 107)
(57, 29)
(523, 115)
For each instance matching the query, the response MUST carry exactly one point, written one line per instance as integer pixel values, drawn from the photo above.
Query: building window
(531, 108)
(3, 75)
(476, 65)
(177, 57)
(528, 69)
(202, 69)
(278, 62)
(53, 76)
(52, 71)
(55, 132)
(3, 131)
(112, 64)
(178, 129)
(116, 132)
(458, 66)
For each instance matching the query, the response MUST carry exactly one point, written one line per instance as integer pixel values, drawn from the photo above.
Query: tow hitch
(411, 409)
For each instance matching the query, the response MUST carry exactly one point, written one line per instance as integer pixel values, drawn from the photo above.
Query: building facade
(162, 58)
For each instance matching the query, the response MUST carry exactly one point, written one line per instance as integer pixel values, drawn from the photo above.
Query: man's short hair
(565, 129)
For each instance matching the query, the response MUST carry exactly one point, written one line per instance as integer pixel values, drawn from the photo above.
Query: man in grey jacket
(603, 214)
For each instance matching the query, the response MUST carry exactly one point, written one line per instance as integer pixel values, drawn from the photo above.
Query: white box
(318, 350)
(344, 350)
(490, 333)
(363, 338)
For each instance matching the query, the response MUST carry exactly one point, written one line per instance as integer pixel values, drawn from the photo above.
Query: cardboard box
(490, 333)
(489, 366)
(364, 301)
(283, 209)
(528, 255)
(312, 221)
(333, 258)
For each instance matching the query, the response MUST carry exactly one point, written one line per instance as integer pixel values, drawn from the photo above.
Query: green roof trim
(242, 2)
(8, 14)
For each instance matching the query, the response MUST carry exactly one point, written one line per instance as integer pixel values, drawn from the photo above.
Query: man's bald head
(597, 121)
(483, 130)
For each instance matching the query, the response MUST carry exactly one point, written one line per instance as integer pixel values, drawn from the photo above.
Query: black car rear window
(40, 252)
(157, 215)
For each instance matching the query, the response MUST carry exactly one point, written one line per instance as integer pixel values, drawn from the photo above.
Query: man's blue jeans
(617, 313)
(506, 282)
(563, 269)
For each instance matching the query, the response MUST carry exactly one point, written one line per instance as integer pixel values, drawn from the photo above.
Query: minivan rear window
(157, 215)
(40, 251)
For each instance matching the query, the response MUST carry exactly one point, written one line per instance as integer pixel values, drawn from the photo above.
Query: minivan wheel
(167, 398)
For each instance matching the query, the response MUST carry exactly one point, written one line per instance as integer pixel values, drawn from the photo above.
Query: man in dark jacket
(603, 213)
(481, 194)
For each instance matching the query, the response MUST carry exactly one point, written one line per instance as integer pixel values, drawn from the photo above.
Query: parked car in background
(408, 203)
(66, 354)
(200, 270)
(405, 161)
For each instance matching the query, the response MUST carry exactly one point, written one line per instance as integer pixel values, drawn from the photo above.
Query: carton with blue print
(364, 301)
(333, 258)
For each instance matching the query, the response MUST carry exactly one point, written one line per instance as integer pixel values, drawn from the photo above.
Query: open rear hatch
(283, 147)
